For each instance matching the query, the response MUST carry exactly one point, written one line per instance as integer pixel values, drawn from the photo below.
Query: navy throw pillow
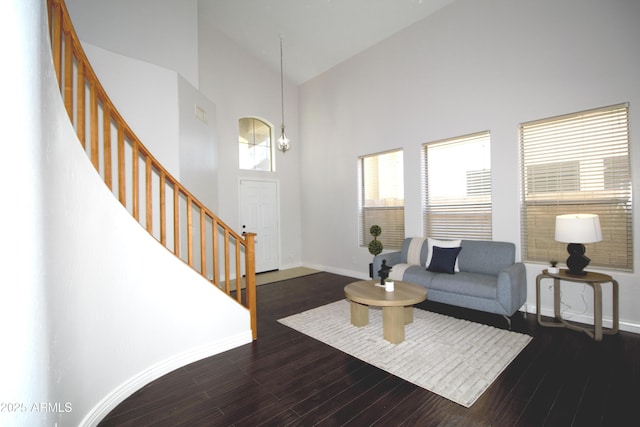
(443, 260)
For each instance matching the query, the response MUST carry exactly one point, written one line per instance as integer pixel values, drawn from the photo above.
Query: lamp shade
(578, 228)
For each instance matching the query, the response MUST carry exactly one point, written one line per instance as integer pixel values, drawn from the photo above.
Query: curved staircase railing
(167, 210)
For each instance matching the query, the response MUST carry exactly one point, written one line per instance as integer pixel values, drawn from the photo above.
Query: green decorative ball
(375, 247)
(375, 230)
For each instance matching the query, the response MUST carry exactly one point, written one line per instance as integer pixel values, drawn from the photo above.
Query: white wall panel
(161, 32)
(472, 66)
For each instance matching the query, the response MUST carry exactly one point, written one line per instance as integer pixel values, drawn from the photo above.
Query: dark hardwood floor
(562, 378)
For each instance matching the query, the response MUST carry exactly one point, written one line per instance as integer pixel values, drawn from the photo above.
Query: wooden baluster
(56, 43)
(203, 244)
(106, 132)
(122, 184)
(176, 219)
(189, 232)
(68, 74)
(214, 244)
(50, 13)
(238, 272)
(227, 279)
(93, 125)
(148, 194)
(250, 291)
(80, 105)
(163, 209)
(135, 178)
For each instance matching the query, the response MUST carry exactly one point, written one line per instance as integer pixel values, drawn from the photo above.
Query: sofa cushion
(443, 260)
(486, 257)
(472, 284)
(418, 275)
(397, 271)
(414, 251)
(443, 244)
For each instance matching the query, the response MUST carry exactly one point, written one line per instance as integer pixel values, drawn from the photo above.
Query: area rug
(454, 358)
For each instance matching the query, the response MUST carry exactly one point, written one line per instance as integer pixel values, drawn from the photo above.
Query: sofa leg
(508, 319)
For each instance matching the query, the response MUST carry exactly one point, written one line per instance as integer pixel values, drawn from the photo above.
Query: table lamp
(577, 229)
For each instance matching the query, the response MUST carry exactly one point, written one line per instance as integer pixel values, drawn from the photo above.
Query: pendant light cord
(283, 141)
(281, 84)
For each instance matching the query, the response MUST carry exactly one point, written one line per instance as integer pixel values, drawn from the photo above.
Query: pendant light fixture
(283, 141)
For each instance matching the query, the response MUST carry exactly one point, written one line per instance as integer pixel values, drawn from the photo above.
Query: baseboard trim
(585, 319)
(289, 266)
(117, 396)
(362, 275)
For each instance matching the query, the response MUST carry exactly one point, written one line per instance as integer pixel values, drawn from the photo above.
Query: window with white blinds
(381, 191)
(456, 198)
(578, 163)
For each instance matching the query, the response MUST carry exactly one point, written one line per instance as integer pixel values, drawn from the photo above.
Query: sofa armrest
(392, 258)
(512, 287)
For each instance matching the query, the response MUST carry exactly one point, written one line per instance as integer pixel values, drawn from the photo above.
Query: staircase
(160, 204)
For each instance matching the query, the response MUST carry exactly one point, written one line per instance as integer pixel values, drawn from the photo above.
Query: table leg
(408, 314)
(538, 315)
(359, 314)
(393, 324)
(559, 323)
(556, 299)
(616, 307)
(597, 311)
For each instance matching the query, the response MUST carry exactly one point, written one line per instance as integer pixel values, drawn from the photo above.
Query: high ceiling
(316, 34)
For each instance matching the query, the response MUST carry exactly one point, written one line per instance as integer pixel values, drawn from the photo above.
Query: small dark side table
(595, 280)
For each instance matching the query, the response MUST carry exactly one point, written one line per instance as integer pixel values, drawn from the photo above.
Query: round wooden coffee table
(397, 306)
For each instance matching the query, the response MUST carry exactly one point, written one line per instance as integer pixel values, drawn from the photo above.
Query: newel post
(250, 265)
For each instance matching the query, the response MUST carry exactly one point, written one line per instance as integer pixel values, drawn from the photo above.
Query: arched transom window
(255, 144)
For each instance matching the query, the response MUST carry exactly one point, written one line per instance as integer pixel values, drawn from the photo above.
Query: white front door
(259, 214)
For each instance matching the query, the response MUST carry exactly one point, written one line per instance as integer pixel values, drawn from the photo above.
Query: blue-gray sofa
(484, 275)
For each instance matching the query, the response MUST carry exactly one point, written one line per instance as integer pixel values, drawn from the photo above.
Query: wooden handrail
(196, 231)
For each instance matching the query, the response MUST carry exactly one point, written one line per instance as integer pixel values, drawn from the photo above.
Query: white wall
(236, 84)
(242, 86)
(122, 309)
(161, 32)
(159, 106)
(93, 307)
(146, 96)
(473, 66)
(24, 370)
(198, 145)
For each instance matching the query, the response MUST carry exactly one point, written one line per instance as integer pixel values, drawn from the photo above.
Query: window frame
(391, 237)
(476, 205)
(598, 142)
(252, 145)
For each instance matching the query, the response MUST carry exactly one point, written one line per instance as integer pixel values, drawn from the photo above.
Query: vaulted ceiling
(316, 34)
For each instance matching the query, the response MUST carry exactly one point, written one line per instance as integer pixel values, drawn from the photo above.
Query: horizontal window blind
(578, 163)
(381, 190)
(457, 188)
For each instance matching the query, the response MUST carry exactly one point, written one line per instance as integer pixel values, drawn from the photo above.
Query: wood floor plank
(313, 412)
(383, 405)
(287, 378)
(314, 388)
(624, 395)
(546, 394)
(324, 372)
(368, 399)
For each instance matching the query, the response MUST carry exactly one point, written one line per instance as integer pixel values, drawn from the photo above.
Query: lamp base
(577, 260)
